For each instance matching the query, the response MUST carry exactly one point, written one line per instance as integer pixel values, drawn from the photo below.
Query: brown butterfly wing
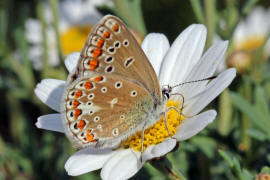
(112, 49)
(101, 110)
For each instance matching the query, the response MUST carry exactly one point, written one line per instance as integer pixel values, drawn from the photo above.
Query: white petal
(183, 55)
(213, 89)
(50, 91)
(33, 31)
(256, 21)
(35, 55)
(122, 165)
(52, 122)
(192, 126)
(240, 32)
(147, 153)
(87, 160)
(71, 61)
(203, 69)
(79, 12)
(159, 150)
(155, 46)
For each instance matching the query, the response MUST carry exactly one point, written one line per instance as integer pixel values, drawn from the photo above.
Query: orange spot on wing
(75, 104)
(77, 113)
(106, 34)
(81, 124)
(100, 43)
(98, 78)
(90, 136)
(88, 85)
(93, 64)
(115, 27)
(78, 94)
(96, 53)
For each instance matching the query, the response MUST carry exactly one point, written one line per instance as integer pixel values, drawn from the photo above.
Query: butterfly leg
(165, 122)
(142, 141)
(183, 99)
(165, 117)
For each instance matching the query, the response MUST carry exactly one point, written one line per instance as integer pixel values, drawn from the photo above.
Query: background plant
(235, 146)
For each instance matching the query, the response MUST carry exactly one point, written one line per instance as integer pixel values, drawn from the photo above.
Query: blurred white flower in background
(76, 17)
(249, 35)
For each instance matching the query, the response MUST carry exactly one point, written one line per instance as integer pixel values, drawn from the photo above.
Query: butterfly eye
(103, 89)
(70, 115)
(99, 127)
(91, 112)
(109, 69)
(71, 95)
(129, 61)
(96, 119)
(125, 43)
(118, 84)
(109, 59)
(117, 44)
(115, 132)
(111, 50)
(74, 127)
(91, 96)
(133, 93)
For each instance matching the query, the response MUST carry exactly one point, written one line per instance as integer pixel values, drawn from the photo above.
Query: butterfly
(114, 91)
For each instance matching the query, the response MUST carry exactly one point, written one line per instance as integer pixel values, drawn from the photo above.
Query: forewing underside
(103, 110)
(112, 49)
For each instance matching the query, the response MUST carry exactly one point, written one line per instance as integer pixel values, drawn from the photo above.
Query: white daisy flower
(75, 18)
(249, 35)
(252, 31)
(182, 62)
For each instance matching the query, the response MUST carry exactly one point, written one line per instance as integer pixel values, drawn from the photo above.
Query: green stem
(248, 6)
(131, 13)
(197, 9)
(55, 10)
(40, 12)
(225, 113)
(168, 168)
(210, 21)
(245, 124)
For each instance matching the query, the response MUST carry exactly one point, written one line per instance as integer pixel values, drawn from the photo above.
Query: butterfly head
(166, 92)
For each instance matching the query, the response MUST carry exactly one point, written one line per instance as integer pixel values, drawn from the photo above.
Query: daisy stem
(40, 12)
(259, 53)
(197, 9)
(210, 21)
(131, 13)
(168, 168)
(245, 123)
(225, 115)
(248, 6)
(55, 10)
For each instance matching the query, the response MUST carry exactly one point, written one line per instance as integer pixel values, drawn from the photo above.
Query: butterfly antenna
(188, 82)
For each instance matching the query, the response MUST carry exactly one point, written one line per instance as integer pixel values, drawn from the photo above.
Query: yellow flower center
(158, 132)
(251, 43)
(73, 39)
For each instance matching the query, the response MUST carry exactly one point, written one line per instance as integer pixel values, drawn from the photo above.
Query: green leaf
(246, 108)
(256, 134)
(207, 145)
(198, 11)
(226, 157)
(265, 169)
(261, 103)
(131, 12)
(249, 5)
(247, 175)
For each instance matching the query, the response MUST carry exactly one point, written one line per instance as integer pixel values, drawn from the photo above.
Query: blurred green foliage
(235, 146)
